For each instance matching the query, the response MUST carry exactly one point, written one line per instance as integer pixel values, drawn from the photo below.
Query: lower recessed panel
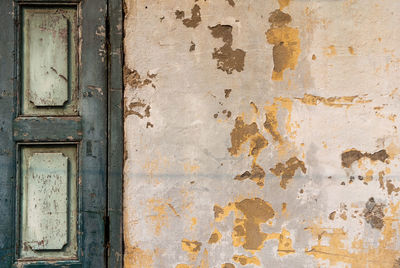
(48, 202)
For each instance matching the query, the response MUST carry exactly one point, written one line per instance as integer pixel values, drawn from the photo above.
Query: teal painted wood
(116, 135)
(7, 148)
(54, 264)
(93, 108)
(90, 132)
(49, 1)
(47, 129)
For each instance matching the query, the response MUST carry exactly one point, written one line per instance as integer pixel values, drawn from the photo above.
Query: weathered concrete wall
(262, 133)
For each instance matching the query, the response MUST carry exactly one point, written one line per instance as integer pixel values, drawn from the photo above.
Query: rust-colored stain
(227, 92)
(287, 171)
(215, 237)
(138, 108)
(391, 188)
(231, 2)
(271, 121)
(246, 132)
(257, 174)
(228, 59)
(135, 257)
(227, 265)
(352, 155)
(241, 134)
(246, 231)
(338, 102)
(245, 260)
(373, 214)
(286, 43)
(218, 211)
(331, 245)
(195, 20)
(133, 79)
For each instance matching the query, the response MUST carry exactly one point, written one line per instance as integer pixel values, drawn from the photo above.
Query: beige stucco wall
(262, 133)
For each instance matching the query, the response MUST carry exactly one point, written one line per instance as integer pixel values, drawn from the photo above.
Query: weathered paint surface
(49, 65)
(262, 133)
(46, 58)
(46, 202)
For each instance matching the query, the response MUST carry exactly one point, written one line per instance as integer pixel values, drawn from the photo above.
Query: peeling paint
(215, 237)
(133, 79)
(245, 260)
(195, 20)
(373, 214)
(339, 102)
(286, 171)
(286, 43)
(228, 167)
(228, 59)
(352, 155)
(191, 246)
(335, 251)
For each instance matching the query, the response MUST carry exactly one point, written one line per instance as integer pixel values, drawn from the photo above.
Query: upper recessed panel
(49, 61)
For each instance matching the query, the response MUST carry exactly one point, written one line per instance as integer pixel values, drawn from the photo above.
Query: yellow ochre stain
(271, 120)
(344, 101)
(283, 3)
(241, 134)
(331, 245)
(285, 41)
(159, 215)
(191, 247)
(287, 171)
(249, 215)
(190, 168)
(330, 51)
(183, 266)
(351, 51)
(193, 223)
(135, 257)
(215, 237)
(245, 260)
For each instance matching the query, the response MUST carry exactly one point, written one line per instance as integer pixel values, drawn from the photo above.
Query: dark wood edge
(115, 134)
